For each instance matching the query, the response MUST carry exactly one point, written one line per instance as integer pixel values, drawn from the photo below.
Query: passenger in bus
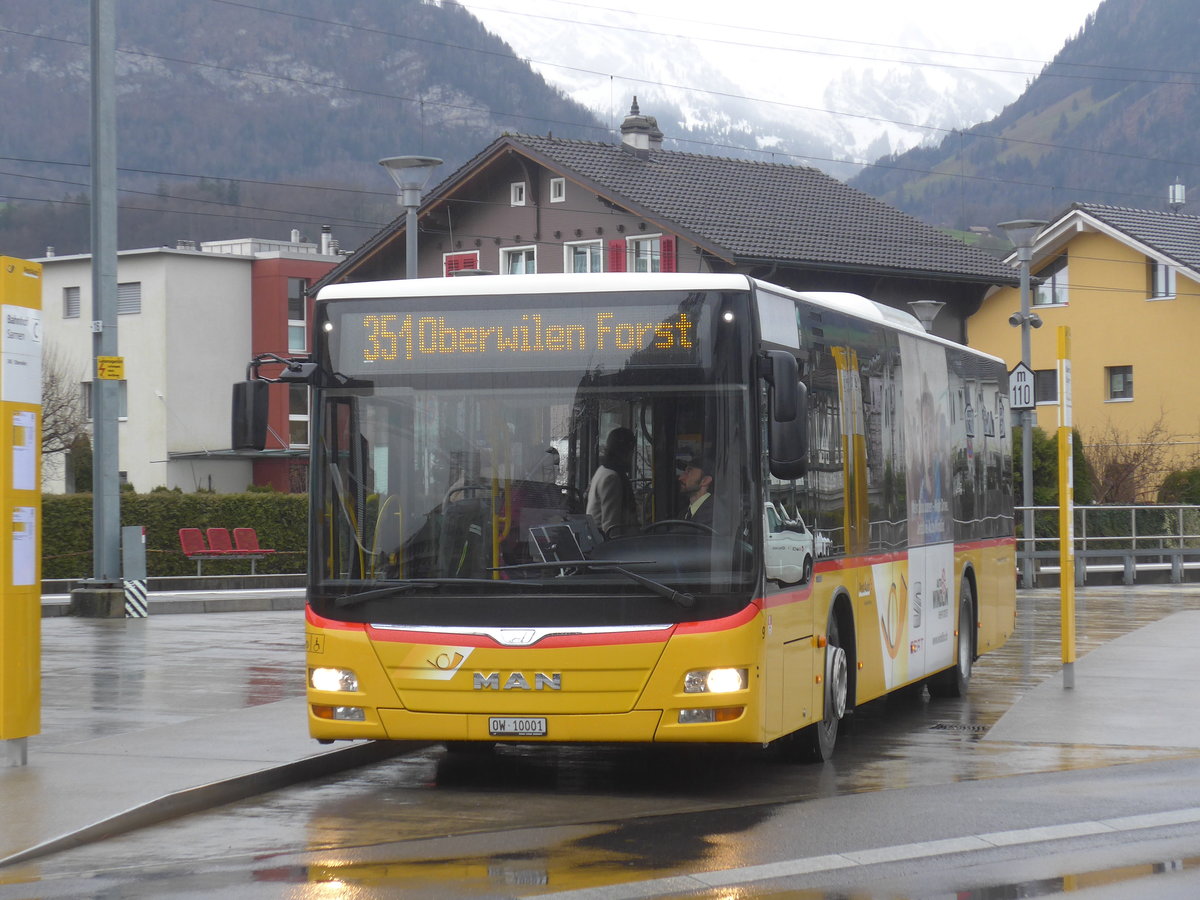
(696, 485)
(610, 500)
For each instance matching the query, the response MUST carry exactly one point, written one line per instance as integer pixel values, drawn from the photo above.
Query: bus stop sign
(1020, 387)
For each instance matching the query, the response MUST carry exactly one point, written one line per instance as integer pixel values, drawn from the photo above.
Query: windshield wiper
(680, 598)
(404, 585)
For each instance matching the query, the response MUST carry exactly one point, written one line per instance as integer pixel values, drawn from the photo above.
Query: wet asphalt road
(528, 819)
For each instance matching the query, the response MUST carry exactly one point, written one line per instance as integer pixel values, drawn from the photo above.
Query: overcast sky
(817, 39)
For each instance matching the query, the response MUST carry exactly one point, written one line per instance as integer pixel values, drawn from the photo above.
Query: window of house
(459, 262)
(1045, 386)
(71, 303)
(297, 415)
(1053, 289)
(518, 261)
(122, 399)
(645, 254)
(586, 256)
(1120, 382)
(558, 190)
(1162, 280)
(129, 298)
(297, 314)
(516, 193)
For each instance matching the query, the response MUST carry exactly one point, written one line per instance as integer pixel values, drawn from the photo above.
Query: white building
(188, 323)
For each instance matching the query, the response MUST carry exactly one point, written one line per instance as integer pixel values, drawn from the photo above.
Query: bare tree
(63, 414)
(1129, 468)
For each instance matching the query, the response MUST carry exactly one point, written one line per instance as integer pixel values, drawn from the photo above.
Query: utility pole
(106, 496)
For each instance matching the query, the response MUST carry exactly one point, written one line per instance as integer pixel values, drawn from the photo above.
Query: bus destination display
(383, 341)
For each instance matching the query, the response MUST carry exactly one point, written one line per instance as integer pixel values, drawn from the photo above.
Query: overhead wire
(770, 153)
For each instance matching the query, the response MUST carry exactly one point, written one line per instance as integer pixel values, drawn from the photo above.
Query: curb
(218, 793)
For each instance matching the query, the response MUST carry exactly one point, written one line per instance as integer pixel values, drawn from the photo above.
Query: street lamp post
(411, 174)
(1022, 233)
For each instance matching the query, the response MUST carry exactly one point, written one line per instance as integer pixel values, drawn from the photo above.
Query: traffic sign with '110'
(1020, 387)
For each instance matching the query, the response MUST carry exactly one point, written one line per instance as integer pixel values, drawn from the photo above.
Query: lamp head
(410, 172)
(1023, 231)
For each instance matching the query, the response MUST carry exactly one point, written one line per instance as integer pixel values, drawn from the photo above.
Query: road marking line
(641, 890)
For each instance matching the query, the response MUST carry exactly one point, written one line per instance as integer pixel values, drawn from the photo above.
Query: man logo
(518, 682)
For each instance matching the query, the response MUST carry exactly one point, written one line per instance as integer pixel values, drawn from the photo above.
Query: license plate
(516, 726)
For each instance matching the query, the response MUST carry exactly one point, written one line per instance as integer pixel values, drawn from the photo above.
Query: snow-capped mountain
(828, 108)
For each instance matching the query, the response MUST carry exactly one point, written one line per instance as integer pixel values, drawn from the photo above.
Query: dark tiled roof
(1175, 236)
(767, 211)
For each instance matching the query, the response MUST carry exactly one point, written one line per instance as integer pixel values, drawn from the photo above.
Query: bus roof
(475, 285)
(578, 283)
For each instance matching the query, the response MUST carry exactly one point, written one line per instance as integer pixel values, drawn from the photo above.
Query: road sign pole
(1066, 507)
(1023, 399)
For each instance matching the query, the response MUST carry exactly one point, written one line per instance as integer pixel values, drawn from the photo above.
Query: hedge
(280, 520)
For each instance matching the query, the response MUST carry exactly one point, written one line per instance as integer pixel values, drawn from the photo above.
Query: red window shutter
(616, 256)
(456, 262)
(666, 254)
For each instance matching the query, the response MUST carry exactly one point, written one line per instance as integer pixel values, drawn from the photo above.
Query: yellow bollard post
(1066, 507)
(20, 505)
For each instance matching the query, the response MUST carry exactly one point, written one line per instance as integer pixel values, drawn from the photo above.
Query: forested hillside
(258, 103)
(1115, 118)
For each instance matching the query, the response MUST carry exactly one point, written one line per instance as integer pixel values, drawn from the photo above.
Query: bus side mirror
(249, 421)
(788, 415)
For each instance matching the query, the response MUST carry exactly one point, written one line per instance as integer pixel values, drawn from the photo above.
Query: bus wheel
(816, 742)
(954, 681)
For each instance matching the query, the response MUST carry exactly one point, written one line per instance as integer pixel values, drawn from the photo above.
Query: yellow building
(1127, 283)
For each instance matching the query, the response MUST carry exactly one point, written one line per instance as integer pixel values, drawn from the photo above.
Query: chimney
(640, 134)
(326, 240)
(295, 235)
(49, 252)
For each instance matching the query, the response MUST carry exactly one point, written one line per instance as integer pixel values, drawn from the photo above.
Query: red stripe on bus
(333, 624)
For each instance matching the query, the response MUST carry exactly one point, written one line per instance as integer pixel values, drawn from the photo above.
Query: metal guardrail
(1143, 540)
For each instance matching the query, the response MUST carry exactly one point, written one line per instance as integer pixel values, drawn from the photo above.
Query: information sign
(1020, 387)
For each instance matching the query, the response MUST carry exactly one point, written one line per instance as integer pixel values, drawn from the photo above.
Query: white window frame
(633, 255)
(558, 190)
(293, 417)
(1045, 387)
(1126, 394)
(70, 302)
(122, 400)
(516, 193)
(1162, 281)
(508, 253)
(459, 254)
(595, 255)
(300, 325)
(1056, 283)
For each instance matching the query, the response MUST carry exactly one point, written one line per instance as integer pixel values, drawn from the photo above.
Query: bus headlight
(715, 681)
(327, 679)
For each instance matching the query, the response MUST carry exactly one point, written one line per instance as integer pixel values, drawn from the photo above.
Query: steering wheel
(664, 524)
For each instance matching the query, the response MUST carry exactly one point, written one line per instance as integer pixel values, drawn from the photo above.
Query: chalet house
(544, 204)
(1127, 284)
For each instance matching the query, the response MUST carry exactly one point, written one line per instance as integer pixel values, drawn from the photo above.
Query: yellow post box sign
(20, 497)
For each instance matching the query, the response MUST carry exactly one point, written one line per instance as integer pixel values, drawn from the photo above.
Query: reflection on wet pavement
(398, 822)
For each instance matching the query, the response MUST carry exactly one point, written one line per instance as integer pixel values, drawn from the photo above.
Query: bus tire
(816, 742)
(954, 681)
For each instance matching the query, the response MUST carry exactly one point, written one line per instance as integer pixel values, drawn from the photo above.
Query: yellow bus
(464, 587)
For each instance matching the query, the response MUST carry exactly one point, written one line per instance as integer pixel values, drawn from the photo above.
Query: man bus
(861, 531)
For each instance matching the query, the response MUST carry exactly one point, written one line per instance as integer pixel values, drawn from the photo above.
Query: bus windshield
(454, 464)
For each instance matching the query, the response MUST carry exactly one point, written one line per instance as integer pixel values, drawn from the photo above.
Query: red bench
(219, 546)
